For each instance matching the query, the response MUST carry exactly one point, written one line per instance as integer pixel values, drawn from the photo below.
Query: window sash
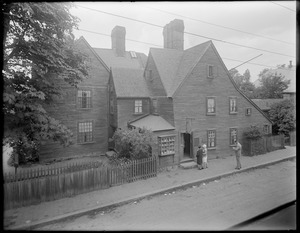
(211, 138)
(138, 106)
(232, 105)
(85, 132)
(233, 135)
(211, 105)
(84, 99)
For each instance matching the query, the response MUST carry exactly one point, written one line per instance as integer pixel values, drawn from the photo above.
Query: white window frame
(138, 106)
(211, 137)
(85, 132)
(233, 109)
(232, 138)
(84, 95)
(208, 108)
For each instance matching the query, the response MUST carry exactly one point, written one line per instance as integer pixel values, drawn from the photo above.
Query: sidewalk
(98, 201)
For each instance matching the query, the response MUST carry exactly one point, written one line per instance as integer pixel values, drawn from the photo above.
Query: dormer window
(132, 54)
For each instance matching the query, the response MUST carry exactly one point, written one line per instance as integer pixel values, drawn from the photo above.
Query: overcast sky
(272, 22)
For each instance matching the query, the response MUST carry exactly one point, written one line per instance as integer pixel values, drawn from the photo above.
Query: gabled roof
(153, 123)
(93, 51)
(174, 65)
(129, 82)
(111, 60)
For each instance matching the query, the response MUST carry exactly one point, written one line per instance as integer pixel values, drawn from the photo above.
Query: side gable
(154, 83)
(235, 86)
(83, 40)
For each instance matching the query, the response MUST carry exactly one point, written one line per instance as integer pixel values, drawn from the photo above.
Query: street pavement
(173, 178)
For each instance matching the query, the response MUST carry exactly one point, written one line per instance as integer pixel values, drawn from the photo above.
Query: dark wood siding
(155, 85)
(67, 111)
(126, 113)
(190, 101)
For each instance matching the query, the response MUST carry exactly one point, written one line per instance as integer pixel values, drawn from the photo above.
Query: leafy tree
(243, 81)
(283, 116)
(39, 53)
(134, 143)
(273, 85)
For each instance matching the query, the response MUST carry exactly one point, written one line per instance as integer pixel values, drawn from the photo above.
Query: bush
(133, 143)
(253, 133)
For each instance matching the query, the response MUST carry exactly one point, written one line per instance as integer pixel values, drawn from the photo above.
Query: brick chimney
(173, 34)
(118, 40)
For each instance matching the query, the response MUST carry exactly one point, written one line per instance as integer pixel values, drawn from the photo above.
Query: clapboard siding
(66, 110)
(125, 108)
(165, 109)
(190, 101)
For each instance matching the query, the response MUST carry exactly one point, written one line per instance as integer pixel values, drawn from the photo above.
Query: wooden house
(84, 110)
(193, 91)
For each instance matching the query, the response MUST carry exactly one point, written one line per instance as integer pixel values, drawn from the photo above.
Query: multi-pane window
(248, 111)
(266, 129)
(211, 138)
(154, 103)
(211, 105)
(232, 105)
(84, 99)
(166, 145)
(138, 106)
(233, 135)
(85, 132)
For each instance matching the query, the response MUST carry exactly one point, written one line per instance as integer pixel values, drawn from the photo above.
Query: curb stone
(139, 197)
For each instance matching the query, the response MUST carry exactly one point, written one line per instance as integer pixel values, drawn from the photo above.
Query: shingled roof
(113, 61)
(153, 123)
(129, 82)
(174, 65)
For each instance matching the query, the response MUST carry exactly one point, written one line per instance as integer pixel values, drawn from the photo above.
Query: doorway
(187, 145)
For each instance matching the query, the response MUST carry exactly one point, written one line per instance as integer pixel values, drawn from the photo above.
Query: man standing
(199, 157)
(238, 153)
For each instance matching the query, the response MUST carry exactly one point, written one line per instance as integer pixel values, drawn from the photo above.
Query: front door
(187, 152)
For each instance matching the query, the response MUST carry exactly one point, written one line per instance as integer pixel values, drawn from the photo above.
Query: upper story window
(148, 75)
(233, 133)
(211, 138)
(84, 99)
(138, 106)
(211, 71)
(232, 105)
(166, 145)
(248, 111)
(85, 132)
(211, 105)
(266, 129)
(154, 104)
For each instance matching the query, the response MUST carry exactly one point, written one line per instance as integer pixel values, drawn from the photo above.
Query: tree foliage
(272, 85)
(134, 143)
(283, 116)
(243, 81)
(39, 51)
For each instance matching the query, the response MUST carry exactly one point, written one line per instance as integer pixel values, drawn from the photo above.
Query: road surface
(217, 205)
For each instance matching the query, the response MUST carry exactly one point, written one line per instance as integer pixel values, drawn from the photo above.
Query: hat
(204, 145)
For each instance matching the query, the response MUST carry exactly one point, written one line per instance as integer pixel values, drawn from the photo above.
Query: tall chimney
(173, 34)
(290, 66)
(118, 40)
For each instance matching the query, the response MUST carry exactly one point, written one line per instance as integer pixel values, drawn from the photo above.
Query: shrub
(253, 133)
(133, 143)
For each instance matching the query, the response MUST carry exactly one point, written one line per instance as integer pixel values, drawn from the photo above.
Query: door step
(188, 164)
